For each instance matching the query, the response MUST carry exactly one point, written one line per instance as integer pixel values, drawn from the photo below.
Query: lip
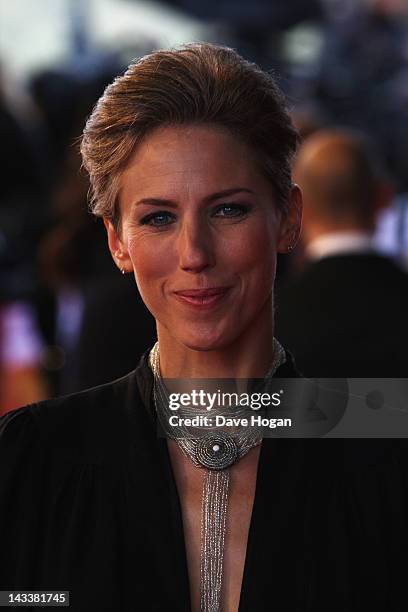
(202, 298)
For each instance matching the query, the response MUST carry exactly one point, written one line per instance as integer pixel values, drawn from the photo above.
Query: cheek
(149, 266)
(255, 252)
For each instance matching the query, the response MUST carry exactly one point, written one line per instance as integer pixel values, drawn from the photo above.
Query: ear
(291, 223)
(120, 254)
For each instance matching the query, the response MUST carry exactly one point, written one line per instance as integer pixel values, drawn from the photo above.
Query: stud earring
(122, 270)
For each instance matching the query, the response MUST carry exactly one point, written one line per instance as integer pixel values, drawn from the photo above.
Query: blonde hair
(197, 83)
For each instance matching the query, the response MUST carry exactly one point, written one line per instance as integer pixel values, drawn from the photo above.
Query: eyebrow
(207, 199)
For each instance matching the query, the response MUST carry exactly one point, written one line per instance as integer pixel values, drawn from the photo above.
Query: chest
(189, 481)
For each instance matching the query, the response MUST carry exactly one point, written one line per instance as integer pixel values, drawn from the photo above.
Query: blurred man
(346, 313)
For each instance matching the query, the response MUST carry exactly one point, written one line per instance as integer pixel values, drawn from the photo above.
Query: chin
(206, 340)
(200, 345)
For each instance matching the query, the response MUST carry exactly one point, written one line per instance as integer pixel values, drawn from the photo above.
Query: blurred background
(63, 308)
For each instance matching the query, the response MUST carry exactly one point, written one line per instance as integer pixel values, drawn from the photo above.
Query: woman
(189, 158)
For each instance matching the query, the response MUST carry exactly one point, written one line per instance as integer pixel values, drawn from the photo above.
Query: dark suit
(346, 316)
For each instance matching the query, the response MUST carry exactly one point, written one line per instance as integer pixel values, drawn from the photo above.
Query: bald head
(340, 177)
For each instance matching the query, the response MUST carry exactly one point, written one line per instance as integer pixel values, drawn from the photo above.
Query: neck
(249, 356)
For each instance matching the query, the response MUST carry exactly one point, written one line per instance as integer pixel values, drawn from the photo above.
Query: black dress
(88, 503)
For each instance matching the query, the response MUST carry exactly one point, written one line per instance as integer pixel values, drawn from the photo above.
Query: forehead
(190, 158)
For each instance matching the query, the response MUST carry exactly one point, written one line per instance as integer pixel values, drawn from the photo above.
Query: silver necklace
(214, 453)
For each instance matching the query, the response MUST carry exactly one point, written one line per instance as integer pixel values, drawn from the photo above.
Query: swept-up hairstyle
(199, 83)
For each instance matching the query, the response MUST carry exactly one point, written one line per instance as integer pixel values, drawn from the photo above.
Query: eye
(158, 219)
(231, 210)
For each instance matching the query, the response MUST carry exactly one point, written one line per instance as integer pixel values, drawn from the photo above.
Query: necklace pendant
(216, 451)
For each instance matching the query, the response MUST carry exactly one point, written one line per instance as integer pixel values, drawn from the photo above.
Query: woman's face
(200, 230)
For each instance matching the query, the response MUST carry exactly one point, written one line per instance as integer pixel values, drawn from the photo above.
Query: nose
(195, 246)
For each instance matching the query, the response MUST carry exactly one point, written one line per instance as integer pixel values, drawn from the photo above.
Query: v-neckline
(145, 384)
(252, 522)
